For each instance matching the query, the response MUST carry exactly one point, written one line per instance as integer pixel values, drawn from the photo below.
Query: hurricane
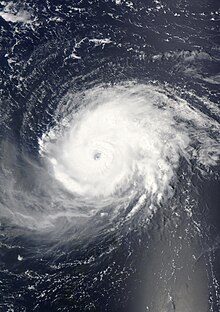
(114, 144)
(124, 140)
(109, 156)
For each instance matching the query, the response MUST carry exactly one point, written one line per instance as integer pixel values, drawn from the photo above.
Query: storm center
(97, 155)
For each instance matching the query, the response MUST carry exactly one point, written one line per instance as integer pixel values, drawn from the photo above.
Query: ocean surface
(109, 156)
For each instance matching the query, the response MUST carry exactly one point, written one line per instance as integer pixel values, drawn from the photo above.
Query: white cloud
(11, 14)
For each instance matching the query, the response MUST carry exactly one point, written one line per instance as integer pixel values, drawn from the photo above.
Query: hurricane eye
(97, 155)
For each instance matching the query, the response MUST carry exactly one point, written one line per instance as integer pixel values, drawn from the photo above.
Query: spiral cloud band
(108, 148)
(116, 140)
